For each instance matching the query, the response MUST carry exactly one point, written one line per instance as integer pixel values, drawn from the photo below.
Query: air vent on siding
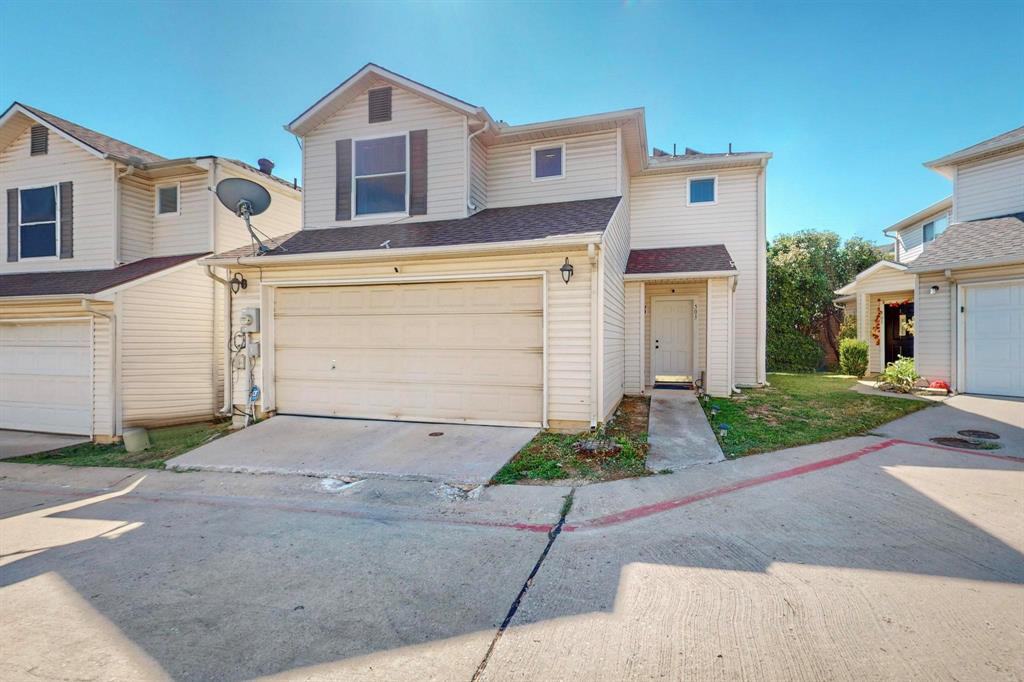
(380, 105)
(40, 140)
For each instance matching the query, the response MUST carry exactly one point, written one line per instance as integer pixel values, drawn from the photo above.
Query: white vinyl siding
(635, 319)
(446, 156)
(590, 165)
(615, 253)
(189, 230)
(911, 239)
(568, 307)
(989, 188)
(166, 348)
(283, 217)
(93, 187)
(478, 174)
(719, 332)
(136, 239)
(659, 217)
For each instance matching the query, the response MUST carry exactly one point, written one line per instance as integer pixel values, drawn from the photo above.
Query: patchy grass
(799, 409)
(551, 456)
(165, 443)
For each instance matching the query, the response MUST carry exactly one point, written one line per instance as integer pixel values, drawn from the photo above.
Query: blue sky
(850, 97)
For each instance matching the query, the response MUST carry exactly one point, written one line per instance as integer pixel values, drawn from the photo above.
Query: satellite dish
(243, 196)
(246, 199)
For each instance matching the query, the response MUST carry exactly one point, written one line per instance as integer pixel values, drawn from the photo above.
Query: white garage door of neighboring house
(994, 339)
(45, 377)
(453, 351)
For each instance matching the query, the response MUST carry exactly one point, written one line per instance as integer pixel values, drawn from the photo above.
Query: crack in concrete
(552, 536)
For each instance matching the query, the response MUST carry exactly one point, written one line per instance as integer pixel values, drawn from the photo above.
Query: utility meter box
(250, 320)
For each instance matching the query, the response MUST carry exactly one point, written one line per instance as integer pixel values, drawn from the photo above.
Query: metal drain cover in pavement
(951, 442)
(974, 433)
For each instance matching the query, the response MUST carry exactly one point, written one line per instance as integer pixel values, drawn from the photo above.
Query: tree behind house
(804, 270)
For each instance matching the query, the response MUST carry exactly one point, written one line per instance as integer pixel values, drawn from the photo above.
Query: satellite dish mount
(246, 199)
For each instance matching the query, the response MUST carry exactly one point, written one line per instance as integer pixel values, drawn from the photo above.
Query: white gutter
(651, 277)
(582, 239)
(226, 407)
(967, 264)
(115, 367)
(469, 159)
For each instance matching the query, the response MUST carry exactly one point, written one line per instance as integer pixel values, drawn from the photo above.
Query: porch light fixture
(566, 271)
(934, 289)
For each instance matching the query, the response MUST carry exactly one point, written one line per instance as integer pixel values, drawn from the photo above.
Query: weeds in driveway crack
(552, 536)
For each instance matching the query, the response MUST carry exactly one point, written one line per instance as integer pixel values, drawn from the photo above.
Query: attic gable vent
(40, 140)
(380, 105)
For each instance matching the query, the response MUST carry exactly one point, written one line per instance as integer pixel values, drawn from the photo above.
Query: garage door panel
(45, 377)
(452, 351)
(994, 339)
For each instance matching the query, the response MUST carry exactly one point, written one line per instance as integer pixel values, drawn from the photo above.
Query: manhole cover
(974, 433)
(951, 442)
(435, 434)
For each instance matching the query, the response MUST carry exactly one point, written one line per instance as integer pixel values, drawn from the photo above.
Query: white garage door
(452, 351)
(45, 380)
(994, 347)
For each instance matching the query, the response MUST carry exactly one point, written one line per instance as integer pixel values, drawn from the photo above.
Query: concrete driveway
(360, 448)
(18, 443)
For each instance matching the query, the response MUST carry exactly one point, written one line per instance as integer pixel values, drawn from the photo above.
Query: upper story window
(37, 222)
(167, 200)
(702, 191)
(934, 228)
(380, 178)
(549, 162)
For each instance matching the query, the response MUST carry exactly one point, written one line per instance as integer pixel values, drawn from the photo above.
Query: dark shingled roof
(707, 258)
(85, 281)
(999, 238)
(514, 223)
(98, 141)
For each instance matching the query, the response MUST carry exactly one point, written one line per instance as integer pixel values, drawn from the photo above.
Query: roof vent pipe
(730, 147)
(266, 166)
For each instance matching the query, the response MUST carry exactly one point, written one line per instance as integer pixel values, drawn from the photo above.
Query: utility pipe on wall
(228, 398)
(115, 398)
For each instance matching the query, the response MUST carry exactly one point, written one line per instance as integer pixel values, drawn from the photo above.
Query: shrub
(792, 352)
(899, 375)
(853, 357)
(848, 327)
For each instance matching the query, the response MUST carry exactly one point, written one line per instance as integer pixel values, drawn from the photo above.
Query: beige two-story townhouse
(953, 298)
(455, 268)
(106, 320)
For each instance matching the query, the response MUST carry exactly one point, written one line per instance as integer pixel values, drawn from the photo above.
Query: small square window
(702, 191)
(167, 200)
(933, 229)
(547, 162)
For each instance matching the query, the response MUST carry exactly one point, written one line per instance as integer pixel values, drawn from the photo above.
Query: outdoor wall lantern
(934, 289)
(566, 271)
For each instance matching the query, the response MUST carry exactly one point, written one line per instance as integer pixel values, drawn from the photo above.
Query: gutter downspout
(594, 331)
(469, 157)
(226, 407)
(115, 368)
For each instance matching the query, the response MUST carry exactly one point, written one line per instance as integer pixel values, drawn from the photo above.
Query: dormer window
(167, 199)
(379, 177)
(37, 222)
(702, 191)
(548, 162)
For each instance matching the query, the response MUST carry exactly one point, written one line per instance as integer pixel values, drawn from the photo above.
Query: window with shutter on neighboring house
(167, 199)
(380, 105)
(38, 211)
(40, 143)
(380, 180)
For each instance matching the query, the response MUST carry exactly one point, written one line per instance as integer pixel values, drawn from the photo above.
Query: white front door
(45, 377)
(672, 338)
(994, 339)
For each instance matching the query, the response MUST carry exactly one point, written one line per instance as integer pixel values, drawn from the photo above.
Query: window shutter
(40, 140)
(418, 172)
(12, 225)
(343, 180)
(380, 105)
(67, 216)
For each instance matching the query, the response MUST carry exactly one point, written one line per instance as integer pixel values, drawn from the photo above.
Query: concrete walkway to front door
(361, 448)
(679, 433)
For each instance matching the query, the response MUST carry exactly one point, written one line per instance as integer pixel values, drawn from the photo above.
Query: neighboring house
(106, 320)
(451, 267)
(955, 299)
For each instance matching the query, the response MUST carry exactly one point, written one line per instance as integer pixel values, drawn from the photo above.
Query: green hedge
(853, 357)
(792, 352)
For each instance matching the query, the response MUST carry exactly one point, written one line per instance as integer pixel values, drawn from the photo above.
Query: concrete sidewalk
(679, 433)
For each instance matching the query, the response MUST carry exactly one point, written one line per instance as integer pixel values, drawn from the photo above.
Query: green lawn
(165, 443)
(798, 409)
(551, 456)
